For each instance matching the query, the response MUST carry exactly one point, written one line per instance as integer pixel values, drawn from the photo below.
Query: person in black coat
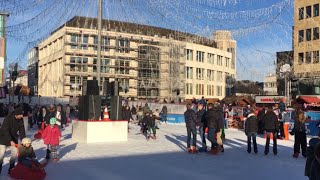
(260, 117)
(312, 167)
(61, 116)
(149, 123)
(52, 114)
(271, 126)
(164, 112)
(215, 120)
(126, 115)
(10, 131)
(315, 165)
(43, 116)
(300, 136)
(201, 118)
(191, 123)
(251, 129)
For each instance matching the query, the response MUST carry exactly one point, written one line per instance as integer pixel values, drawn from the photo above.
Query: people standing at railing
(164, 112)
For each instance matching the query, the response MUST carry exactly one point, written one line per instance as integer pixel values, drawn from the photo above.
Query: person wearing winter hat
(27, 155)
(51, 137)
(11, 130)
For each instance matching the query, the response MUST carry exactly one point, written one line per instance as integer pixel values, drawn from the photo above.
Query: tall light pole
(99, 42)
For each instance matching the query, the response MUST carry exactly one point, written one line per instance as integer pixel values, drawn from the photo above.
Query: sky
(261, 27)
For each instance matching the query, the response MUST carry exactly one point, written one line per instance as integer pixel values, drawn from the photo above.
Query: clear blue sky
(259, 36)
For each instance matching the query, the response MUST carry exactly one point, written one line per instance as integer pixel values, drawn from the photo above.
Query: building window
(227, 62)
(210, 90)
(308, 34)
(301, 35)
(219, 90)
(189, 55)
(200, 73)
(105, 65)
(123, 46)
(219, 60)
(199, 89)
(308, 57)
(210, 74)
(200, 56)
(122, 67)
(301, 13)
(315, 33)
(308, 11)
(210, 58)
(316, 10)
(233, 63)
(301, 58)
(105, 43)
(219, 76)
(189, 73)
(315, 56)
(189, 88)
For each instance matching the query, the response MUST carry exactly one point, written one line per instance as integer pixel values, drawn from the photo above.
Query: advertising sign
(268, 99)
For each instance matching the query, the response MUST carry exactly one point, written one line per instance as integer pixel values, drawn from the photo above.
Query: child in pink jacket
(51, 137)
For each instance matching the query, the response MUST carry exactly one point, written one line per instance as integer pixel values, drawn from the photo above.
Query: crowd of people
(200, 117)
(212, 117)
(143, 116)
(51, 120)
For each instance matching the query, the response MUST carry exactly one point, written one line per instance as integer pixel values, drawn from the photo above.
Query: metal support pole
(99, 42)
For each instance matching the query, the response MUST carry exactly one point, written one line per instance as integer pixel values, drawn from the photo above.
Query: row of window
(309, 34)
(308, 57)
(200, 74)
(270, 85)
(306, 12)
(200, 90)
(76, 82)
(81, 42)
(200, 56)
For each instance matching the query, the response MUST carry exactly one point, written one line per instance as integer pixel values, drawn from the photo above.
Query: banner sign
(268, 99)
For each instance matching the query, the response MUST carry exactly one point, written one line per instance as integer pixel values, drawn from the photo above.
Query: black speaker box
(90, 87)
(111, 88)
(90, 107)
(116, 108)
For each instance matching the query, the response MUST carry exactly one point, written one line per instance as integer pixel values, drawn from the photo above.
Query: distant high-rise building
(306, 47)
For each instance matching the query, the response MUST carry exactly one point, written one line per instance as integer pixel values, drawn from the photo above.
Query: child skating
(149, 122)
(51, 137)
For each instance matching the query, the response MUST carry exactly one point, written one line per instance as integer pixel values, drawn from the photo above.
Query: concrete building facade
(270, 85)
(33, 58)
(307, 46)
(153, 63)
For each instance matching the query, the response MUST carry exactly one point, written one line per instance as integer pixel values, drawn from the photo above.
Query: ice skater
(191, 123)
(27, 156)
(251, 130)
(300, 136)
(271, 127)
(148, 123)
(51, 137)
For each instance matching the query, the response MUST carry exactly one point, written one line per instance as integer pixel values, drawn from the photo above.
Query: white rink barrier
(99, 131)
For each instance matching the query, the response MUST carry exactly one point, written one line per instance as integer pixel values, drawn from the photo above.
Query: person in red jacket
(51, 137)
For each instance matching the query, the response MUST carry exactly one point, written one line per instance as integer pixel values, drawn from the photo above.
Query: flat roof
(134, 28)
